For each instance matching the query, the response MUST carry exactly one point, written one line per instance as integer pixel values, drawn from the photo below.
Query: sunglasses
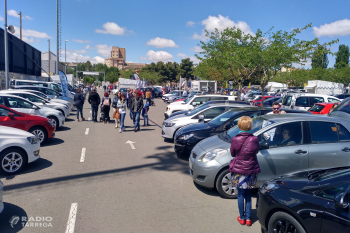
(275, 108)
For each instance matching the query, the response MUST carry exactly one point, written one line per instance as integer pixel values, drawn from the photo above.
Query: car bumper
(33, 151)
(203, 173)
(181, 146)
(166, 116)
(51, 131)
(168, 132)
(262, 209)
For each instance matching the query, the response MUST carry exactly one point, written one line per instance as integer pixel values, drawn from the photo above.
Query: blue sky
(168, 30)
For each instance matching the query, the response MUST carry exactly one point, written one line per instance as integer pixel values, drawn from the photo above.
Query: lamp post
(12, 30)
(65, 56)
(20, 24)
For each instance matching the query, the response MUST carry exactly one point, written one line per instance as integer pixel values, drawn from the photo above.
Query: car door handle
(300, 152)
(346, 149)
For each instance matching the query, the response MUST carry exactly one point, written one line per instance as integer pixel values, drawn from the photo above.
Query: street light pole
(57, 39)
(20, 24)
(49, 58)
(65, 57)
(6, 48)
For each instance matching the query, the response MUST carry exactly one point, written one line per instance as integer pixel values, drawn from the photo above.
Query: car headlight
(32, 139)
(51, 123)
(268, 187)
(211, 155)
(186, 136)
(60, 114)
(66, 107)
(169, 124)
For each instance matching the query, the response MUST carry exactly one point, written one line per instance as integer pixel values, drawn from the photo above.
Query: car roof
(14, 86)
(324, 104)
(299, 117)
(225, 104)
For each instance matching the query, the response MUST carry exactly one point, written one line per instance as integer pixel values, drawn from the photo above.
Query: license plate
(190, 162)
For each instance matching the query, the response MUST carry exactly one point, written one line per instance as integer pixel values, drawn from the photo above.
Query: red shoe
(249, 222)
(242, 222)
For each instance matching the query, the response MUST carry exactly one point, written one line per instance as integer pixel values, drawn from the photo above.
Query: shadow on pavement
(11, 218)
(52, 142)
(168, 140)
(69, 119)
(37, 165)
(208, 191)
(63, 128)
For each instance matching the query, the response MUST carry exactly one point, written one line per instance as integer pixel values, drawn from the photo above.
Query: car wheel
(224, 185)
(283, 222)
(40, 133)
(12, 161)
(55, 121)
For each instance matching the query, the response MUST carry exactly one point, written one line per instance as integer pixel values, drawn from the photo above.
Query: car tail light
(292, 107)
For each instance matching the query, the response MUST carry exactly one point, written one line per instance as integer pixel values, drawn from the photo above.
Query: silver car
(288, 143)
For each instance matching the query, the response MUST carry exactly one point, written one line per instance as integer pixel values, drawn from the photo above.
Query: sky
(155, 30)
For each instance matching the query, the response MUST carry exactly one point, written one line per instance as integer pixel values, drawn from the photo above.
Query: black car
(308, 201)
(268, 102)
(188, 136)
(342, 96)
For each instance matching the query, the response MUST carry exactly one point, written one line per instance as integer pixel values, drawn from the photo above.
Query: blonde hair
(245, 123)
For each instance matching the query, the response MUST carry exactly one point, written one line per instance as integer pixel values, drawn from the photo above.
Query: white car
(204, 112)
(22, 105)
(39, 101)
(179, 93)
(17, 148)
(191, 103)
(304, 101)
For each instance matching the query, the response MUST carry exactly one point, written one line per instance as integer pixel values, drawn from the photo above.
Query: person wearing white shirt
(242, 96)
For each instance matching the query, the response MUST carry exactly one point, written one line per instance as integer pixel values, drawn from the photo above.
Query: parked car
(188, 136)
(39, 101)
(270, 101)
(251, 95)
(1, 197)
(288, 143)
(17, 148)
(321, 108)
(175, 92)
(257, 100)
(41, 127)
(307, 201)
(190, 103)
(206, 113)
(342, 96)
(22, 105)
(304, 101)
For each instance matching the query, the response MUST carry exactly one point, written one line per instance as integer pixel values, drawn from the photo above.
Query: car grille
(194, 155)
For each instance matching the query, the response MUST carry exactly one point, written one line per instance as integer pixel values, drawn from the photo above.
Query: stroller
(152, 103)
(102, 116)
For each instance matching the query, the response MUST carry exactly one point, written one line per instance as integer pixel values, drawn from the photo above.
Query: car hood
(195, 127)
(175, 117)
(213, 142)
(296, 180)
(9, 131)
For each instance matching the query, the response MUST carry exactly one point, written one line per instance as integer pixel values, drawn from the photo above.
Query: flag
(139, 85)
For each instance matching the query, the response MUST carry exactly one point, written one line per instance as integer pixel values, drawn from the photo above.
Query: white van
(191, 103)
(304, 101)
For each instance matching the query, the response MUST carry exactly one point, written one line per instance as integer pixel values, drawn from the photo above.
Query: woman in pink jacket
(244, 167)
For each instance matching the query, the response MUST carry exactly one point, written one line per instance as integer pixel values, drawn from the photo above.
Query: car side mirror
(194, 103)
(43, 101)
(201, 118)
(264, 145)
(11, 116)
(34, 107)
(342, 200)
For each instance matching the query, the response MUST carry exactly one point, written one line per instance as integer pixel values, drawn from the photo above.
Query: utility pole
(6, 48)
(76, 68)
(57, 37)
(20, 24)
(49, 58)
(65, 57)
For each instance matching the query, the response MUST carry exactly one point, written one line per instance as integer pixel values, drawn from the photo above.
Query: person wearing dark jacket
(136, 107)
(95, 100)
(244, 167)
(106, 106)
(130, 97)
(79, 103)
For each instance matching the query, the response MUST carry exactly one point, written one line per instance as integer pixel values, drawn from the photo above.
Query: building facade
(118, 59)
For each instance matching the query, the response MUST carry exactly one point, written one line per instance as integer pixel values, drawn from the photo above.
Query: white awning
(90, 73)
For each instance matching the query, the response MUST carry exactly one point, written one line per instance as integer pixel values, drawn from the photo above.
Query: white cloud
(104, 50)
(15, 14)
(158, 56)
(79, 51)
(162, 43)
(97, 59)
(192, 58)
(112, 28)
(197, 49)
(337, 28)
(81, 41)
(1, 18)
(87, 47)
(190, 24)
(72, 57)
(221, 23)
(32, 33)
(30, 40)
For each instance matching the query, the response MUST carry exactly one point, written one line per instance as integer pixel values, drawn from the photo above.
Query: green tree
(319, 58)
(342, 57)
(186, 69)
(112, 74)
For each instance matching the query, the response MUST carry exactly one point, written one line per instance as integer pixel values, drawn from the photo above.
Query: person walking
(79, 103)
(114, 105)
(145, 114)
(95, 100)
(148, 96)
(130, 98)
(121, 107)
(244, 167)
(153, 93)
(137, 106)
(106, 106)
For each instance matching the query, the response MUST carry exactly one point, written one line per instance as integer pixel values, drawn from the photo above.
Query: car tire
(224, 186)
(13, 154)
(40, 133)
(54, 119)
(279, 219)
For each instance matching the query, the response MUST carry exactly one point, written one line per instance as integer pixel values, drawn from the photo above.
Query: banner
(139, 85)
(64, 85)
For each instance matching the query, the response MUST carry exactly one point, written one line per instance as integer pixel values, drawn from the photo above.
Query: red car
(321, 108)
(179, 100)
(41, 127)
(257, 102)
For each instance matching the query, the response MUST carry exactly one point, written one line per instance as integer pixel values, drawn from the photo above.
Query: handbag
(116, 114)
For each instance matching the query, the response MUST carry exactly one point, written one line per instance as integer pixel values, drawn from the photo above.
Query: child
(145, 114)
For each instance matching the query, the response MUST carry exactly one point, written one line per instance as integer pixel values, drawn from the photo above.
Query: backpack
(106, 101)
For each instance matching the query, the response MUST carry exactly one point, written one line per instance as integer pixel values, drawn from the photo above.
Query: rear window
(317, 108)
(301, 102)
(287, 100)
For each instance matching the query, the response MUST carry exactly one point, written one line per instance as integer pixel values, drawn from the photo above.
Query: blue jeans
(149, 101)
(145, 117)
(94, 110)
(131, 114)
(247, 195)
(137, 119)
(122, 118)
(79, 110)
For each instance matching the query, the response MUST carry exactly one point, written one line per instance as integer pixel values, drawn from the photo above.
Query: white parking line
(72, 217)
(87, 131)
(90, 111)
(82, 158)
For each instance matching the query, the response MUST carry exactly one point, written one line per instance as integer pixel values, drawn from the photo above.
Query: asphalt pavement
(89, 179)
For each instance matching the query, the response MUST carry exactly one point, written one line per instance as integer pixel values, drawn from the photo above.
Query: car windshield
(316, 108)
(343, 107)
(287, 100)
(197, 110)
(330, 174)
(223, 118)
(188, 100)
(258, 123)
(123, 89)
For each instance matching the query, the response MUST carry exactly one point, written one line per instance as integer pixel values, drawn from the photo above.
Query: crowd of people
(132, 100)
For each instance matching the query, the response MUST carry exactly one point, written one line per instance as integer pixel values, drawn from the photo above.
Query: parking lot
(89, 179)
